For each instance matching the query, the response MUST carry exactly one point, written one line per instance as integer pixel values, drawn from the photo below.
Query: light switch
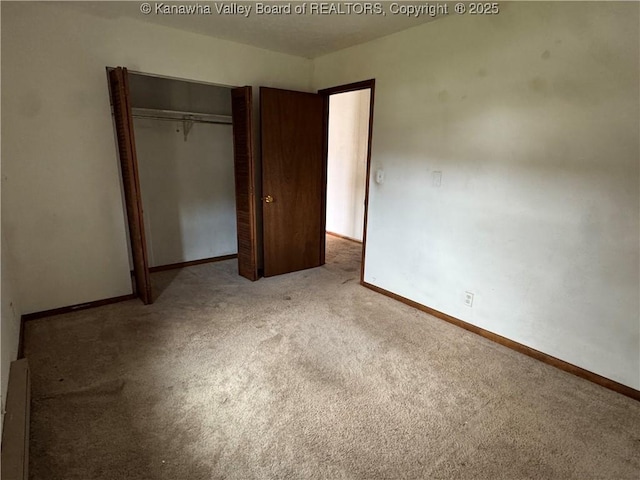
(437, 179)
(379, 176)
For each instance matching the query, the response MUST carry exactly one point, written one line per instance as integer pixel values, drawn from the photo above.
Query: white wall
(188, 191)
(347, 162)
(63, 214)
(532, 116)
(9, 318)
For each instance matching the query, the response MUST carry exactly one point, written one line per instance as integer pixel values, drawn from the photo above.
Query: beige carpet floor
(305, 376)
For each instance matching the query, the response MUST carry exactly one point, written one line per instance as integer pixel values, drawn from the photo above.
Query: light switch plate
(437, 179)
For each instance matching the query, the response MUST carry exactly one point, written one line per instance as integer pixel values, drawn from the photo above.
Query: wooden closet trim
(244, 174)
(119, 90)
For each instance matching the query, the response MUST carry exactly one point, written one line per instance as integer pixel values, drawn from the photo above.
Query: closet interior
(184, 146)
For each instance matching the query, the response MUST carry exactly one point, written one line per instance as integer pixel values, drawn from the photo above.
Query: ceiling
(307, 35)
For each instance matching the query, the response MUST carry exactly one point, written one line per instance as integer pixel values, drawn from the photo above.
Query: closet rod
(180, 115)
(176, 119)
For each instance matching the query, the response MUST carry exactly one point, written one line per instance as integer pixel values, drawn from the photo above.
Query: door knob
(268, 199)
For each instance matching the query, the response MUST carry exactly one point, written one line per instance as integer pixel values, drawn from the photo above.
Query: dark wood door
(293, 129)
(243, 158)
(131, 181)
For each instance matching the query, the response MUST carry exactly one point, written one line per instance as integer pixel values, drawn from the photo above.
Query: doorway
(294, 163)
(350, 124)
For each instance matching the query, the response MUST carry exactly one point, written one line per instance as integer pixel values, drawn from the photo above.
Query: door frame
(352, 87)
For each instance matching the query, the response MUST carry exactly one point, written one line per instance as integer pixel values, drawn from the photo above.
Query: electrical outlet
(468, 299)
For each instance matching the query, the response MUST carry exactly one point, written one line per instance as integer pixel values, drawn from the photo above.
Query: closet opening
(176, 151)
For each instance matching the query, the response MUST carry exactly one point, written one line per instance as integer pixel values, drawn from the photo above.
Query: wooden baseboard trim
(191, 263)
(344, 238)
(513, 345)
(74, 308)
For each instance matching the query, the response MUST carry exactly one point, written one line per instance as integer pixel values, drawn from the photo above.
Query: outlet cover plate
(468, 299)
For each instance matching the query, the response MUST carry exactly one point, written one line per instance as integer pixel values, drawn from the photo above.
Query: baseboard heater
(15, 429)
